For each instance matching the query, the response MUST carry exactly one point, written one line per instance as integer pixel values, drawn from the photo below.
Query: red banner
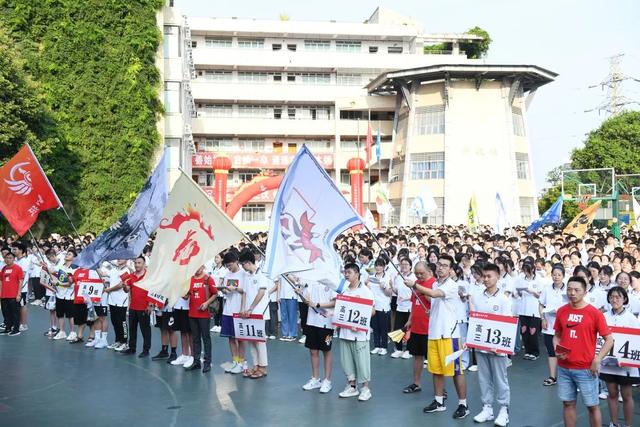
(25, 191)
(204, 160)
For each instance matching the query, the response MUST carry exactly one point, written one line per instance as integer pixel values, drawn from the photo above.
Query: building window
(172, 97)
(256, 111)
(345, 177)
(220, 111)
(251, 43)
(319, 146)
(216, 144)
(350, 145)
(315, 78)
(394, 216)
(247, 176)
(253, 213)
(171, 42)
(522, 165)
(518, 121)
(276, 46)
(427, 166)
(526, 209)
(277, 77)
(253, 77)
(429, 120)
(209, 179)
(349, 79)
(218, 75)
(317, 45)
(251, 145)
(397, 172)
(373, 49)
(306, 112)
(217, 42)
(348, 46)
(291, 77)
(394, 49)
(292, 47)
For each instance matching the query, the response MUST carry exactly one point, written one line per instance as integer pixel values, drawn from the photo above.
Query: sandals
(258, 373)
(413, 388)
(550, 381)
(249, 372)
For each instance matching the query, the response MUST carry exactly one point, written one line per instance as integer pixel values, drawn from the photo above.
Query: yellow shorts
(437, 351)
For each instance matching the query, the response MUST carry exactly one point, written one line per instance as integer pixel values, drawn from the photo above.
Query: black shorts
(318, 338)
(23, 299)
(65, 308)
(417, 344)
(101, 311)
(80, 314)
(166, 321)
(181, 321)
(619, 379)
(548, 343)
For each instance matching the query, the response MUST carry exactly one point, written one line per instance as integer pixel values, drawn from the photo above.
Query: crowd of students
(423, 280)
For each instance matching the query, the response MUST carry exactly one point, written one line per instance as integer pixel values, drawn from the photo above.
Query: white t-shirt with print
(443, 319)
(233, 303)
(319, 293)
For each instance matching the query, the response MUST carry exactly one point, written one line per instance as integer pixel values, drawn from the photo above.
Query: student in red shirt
(139, 309)
(418, 323)
(202, 292)
(577, 326)
(12, 276)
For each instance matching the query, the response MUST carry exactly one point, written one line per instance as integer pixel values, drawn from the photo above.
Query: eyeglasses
(443, 265)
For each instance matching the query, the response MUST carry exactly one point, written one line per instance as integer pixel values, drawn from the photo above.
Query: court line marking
(167, 386)
(37, 390)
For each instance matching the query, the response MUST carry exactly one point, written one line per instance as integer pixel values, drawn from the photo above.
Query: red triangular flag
(25, 191)
(369, 144)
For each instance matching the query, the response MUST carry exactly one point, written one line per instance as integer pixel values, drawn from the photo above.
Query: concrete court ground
(53, 383)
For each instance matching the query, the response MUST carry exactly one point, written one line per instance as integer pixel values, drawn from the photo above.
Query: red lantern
(356, 167)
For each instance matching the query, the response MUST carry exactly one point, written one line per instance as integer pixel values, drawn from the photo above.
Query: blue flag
(378, 147)
(128, 236)
(551, 216)
(309, 212)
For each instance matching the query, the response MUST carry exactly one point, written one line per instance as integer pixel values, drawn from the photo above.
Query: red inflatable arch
(252, 190)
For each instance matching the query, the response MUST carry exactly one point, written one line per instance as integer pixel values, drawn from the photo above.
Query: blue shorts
(226, 327)
(570, 380)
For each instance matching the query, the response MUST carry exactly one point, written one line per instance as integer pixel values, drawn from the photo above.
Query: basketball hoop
(583, 201)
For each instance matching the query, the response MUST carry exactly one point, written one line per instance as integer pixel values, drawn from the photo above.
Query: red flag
(369, 143)
(25, 191)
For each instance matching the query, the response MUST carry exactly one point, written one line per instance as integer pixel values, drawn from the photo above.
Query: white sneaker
(503, 417)
(230, 367)
(603, 395)
(349, 391)
(485, 415)
(272, 337)
(509, 363)
(396, 354)
(375, 350)
(326, 386)
(90, 343)
(60, 335)
(365, 394)
(303, 339)
(620, 398)
(122, 347)
(180, 360)
(236, 369)
(312, 384)
(218, 329)
(382, 352)
(102, 343)
(72, 336)
(114, 345)
(24, 328)
(189, 361)
(406, 355)
(473, 368)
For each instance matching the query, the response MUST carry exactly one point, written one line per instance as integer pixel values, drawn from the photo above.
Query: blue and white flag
(128, 236)
(551, 216)
(501, 215)
(378, 146)
(308, 214)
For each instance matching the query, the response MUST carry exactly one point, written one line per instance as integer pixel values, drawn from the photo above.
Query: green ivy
(94, 61)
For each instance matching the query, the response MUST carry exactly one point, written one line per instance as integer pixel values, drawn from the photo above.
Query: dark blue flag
(551, 216)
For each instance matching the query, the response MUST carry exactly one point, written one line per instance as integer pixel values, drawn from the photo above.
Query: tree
(477, 50)
(26, 119)
(615, 144)
(95, 62)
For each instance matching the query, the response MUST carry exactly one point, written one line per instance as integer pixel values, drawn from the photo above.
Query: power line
(615, 100)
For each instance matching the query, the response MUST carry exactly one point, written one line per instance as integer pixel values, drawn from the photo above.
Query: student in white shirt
(20, 251)
(118, 301)
(616, 377)
(320, 300)
(354, 344)
(233, 287)
(217, 270)
(48, 282)
(492, 367)
(551, 298)
(64, 297)
(403, 309)
(380, 284)
(528, 286)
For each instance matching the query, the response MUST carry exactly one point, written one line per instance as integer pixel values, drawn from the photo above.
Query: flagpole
(379, 160)
(44, 174)
(369, 160)
(39, 250)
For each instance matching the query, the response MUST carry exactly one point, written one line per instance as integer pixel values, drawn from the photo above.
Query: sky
(572, 38)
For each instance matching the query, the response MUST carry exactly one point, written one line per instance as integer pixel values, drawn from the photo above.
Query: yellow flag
(581, 222)
(472, 214)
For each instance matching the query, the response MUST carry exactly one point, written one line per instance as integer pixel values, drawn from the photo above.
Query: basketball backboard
(594, 184)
